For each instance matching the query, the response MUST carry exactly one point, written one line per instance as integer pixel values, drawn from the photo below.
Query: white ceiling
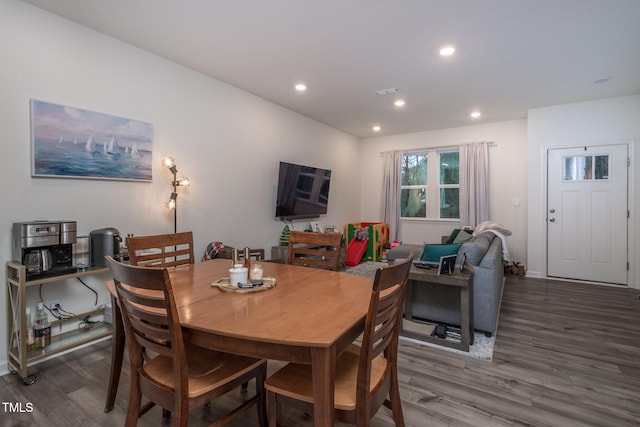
(512, 55)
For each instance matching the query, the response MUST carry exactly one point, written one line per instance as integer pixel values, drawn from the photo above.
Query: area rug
(482, 347)
(366, 269)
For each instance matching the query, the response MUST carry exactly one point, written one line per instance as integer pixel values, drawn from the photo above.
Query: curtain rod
(438, 148)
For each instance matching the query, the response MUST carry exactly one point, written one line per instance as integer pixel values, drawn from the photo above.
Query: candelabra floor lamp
(172, 203)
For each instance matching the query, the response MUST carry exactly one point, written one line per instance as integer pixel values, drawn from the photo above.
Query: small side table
(462, 280)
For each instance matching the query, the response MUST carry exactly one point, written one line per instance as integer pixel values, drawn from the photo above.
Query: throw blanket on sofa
(499, 230)
(506, 258)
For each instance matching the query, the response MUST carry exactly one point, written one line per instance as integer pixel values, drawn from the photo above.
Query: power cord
(56, 311)
(64, 314)
(86, 323)
(90, 288)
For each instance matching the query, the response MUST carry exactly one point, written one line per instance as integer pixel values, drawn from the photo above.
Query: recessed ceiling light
(399, 103)
(377, 128)
(475, 114)
(447, 50)
(301, 87)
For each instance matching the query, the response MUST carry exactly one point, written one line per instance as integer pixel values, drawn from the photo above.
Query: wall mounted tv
(303, 191)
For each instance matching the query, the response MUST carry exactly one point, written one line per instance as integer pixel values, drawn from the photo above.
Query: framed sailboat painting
(69, 142)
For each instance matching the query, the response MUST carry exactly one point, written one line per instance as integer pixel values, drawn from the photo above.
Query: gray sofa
(441, 304)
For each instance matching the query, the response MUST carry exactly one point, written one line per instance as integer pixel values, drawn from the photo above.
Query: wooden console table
(462, 280)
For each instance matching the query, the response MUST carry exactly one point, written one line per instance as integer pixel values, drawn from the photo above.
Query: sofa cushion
(475, 249)
(432, 252)
(463, 236)
(451, 237)
(458, 235)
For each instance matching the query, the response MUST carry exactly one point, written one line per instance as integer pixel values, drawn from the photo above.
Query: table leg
(408, 301)
(466, 330)
(117, 354)
(323, 364)
(470, 291)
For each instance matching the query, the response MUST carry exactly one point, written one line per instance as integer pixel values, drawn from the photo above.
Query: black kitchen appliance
(45, 248)
(103, 242)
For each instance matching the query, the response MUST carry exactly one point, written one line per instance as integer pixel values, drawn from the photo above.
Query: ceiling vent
(383, 92)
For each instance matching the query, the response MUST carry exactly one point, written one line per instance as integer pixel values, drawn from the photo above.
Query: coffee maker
(45, 248)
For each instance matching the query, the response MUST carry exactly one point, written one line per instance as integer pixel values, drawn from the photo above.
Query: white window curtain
(392, 180)
(474, 183)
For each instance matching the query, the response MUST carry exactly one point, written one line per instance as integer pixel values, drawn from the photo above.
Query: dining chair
(161, 250)
(176, 250)
(321, 250)
(366, 375)
(254, 253)
(180, 376)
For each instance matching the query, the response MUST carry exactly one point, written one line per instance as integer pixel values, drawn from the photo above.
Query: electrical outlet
(53, 303)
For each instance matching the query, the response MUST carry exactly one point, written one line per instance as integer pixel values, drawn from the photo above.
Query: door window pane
(577, 168)
(602, 167)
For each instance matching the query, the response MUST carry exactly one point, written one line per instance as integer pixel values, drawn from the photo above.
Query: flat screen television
(303, 191)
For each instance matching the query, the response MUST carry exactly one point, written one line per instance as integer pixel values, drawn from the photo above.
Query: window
(586, 168)
(418, 199)
(449, 185)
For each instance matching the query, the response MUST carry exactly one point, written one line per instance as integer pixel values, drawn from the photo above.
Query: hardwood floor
(566, 354)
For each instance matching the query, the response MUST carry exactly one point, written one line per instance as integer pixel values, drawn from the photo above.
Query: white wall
(606, 121)
(227, 141)
(508, 175)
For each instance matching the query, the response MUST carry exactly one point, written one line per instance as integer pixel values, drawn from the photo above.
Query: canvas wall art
(69, 142)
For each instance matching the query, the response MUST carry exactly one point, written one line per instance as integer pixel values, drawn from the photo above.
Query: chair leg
(272, 409)
(134, 406)
(396, 403)
(180, 413)
(117, 354)
(261, 392)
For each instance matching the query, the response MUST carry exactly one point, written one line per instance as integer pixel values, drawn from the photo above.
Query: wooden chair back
(315, 249)
(165, 250)
(162, 250)
(150, 318)
(179, 376)
(367, 375)
(381, 333)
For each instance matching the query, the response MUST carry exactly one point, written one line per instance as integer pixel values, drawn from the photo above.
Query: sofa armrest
(403, 251)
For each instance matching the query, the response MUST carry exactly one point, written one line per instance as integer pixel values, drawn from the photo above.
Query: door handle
(552, 220)
(552, 210)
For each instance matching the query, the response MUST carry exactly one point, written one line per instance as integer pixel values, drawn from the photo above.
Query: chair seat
(208, 369)
(295, 381)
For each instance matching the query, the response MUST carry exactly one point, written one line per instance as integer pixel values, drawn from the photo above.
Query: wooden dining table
(311, 316)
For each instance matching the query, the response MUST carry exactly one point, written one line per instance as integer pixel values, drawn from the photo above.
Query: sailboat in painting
(134, 151)
(91, 145)
(113, 147)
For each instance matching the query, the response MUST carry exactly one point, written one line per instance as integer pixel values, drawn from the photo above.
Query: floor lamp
(172, 203)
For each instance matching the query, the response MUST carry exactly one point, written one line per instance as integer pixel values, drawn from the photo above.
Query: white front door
(587, 213)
